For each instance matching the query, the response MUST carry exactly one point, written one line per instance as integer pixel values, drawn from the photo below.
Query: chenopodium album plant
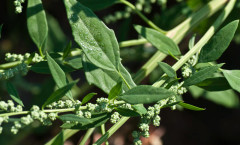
(99, 57)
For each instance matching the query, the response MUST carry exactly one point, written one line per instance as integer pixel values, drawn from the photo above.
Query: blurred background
(219, 124)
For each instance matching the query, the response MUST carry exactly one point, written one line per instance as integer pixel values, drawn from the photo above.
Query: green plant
(98, 56)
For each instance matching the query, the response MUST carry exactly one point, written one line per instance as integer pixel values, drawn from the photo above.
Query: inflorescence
(18, 5)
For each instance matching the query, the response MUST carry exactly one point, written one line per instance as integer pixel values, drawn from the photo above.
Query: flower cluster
(115, 117)
(10, 107)
(187, 68)
(9, 73)
(19, 57)
(18, 5)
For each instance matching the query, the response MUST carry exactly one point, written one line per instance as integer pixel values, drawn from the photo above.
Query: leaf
(97, 5)
(233, 78)
(159, 40)
(37, 22)
(58, 74)
(59, 93)
(190, 107)
(127, 112)
(115, 91)
(192, 41)
(139, 108)
(74, 118)
(214, 84)
(75, 62)
(145, 95)
(67, 50)
(218, 43)
(95, 121)
(105, 79)
(59, 139)
(43, 68)
(167, 69)
(87, 98)
(171, 104)
(201, 75)
(96, 40)
(13, 93)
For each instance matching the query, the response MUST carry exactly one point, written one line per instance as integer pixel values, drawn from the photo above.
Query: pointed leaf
(88, 97)
(167, 69)
(37, 22)
(59, 93)
(67, 50)
(75, 62)
(214, 84)
(190, 107)
(74, 118)
(145, 95)
(13, 93)
(127, 112)
(115, 91)
(192, 42)
(218, 43)
(139, 108)
(97, 41)
(97, 5)
(59, 139)
(233, 78)
(57, 74)
(201, 75)
(159, 40)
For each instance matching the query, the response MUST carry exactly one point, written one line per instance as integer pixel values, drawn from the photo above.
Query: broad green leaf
(74, 118)
(115, 91)
(88, 97)
(95, 121)
(96, 40)
(233, 78)
(201, 75)
(37, 22)
(139, 108)
(13, 93)
(145, 95)
(218, 43)
(43, 68)
(167, 69)
(75, 62)
(67, 50)
(59, 93)
(97, 5)
(214, 84)
(127, 112)
(190, 107)
(1, 30)
(59, 139)
(191, 42)
(105, 79)
(226, 98)
(57, 74)
(159, 40)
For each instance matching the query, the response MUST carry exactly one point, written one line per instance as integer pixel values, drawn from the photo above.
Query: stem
(150, 23)
(132, 42)
(203, 40)
(87, 135)
(10, 65)
(103, 132)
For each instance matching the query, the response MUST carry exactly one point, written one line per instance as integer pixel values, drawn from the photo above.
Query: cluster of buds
(9, 73)
(187, 68)
(19, 57)
(18, 5)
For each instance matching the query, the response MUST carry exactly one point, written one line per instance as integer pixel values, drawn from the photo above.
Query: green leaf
(192, 41)
(115, 91)
(201, 75)
(139, 108)
(88, 97)
(214, 84)
(167, 69)
(159, 40)
(145, 95)
(127, 112)
(74, 118)
(58, 74)
(13, 93)
(59, 93)
(190, 107)
(171, 104)
(105, 79)
(37, 22)
(96, 40)
(233, 78)
(59, 139)
(75, 62)
(67, 50)
(218, 43)
(95, 121)
(97, 5)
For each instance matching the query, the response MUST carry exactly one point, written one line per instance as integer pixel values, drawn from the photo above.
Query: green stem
(86, 136)
(132, 42)
(10, 65)
(103, 132)
(150, 23)
(203, 40)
